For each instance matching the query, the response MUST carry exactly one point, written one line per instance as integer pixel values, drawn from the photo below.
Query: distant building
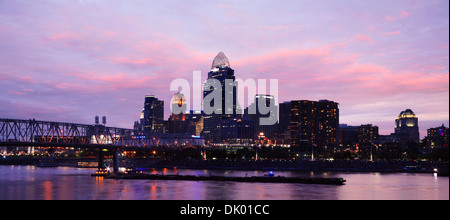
(253, 113)
(314, 124)
(221, 71)
(367, 133)
(438, 137)
(407, 127)
(348, 135)
(194, 121)
(177, 121)
(237, 130)
(153, 115)
(284, 123)
(285, 116)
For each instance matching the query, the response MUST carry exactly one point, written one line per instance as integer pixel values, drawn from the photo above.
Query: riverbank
(302, 165)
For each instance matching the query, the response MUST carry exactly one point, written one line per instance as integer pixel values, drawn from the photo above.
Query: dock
(253, 179)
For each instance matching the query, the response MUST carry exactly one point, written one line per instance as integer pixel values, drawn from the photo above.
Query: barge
(253, 179)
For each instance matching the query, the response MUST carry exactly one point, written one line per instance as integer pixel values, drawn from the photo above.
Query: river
(68, 183)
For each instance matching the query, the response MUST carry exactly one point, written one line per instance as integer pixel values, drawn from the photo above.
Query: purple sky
(72, 60)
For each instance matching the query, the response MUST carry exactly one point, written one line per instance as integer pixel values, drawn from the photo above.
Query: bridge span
(34, 133)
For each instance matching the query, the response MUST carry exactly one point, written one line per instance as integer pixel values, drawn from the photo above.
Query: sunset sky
(71, 60)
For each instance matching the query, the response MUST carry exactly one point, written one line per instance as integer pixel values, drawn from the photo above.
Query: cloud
(391, 33)
(402, 14)
(363, 38)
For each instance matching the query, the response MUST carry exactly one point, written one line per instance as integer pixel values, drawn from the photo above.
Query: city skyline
(374, 58)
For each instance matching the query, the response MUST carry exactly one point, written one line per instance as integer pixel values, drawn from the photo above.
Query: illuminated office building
(407, 126)
(314, 124)
(438, 137)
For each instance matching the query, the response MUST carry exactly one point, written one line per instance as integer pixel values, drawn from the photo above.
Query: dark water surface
(29, 182)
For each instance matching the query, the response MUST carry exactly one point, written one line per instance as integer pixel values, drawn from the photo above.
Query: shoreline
(358, 166)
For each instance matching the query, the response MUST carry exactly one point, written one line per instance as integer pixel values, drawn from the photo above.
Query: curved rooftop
(220, 61)
(408, 113)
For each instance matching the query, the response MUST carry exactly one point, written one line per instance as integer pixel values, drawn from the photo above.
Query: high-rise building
(153, 115)
(407, 127)
(228, 108)
(314, 124)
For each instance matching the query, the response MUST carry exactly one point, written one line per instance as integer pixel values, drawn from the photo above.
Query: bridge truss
(16, 132)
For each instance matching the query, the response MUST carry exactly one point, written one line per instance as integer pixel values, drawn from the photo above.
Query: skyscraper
(227, 108)
(407, 126)
(314, 124)
(153, 115)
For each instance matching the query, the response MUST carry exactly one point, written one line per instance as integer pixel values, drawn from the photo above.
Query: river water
(68, 183)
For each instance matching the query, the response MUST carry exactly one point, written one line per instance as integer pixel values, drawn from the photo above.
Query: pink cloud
(363, 38)
(403, 14)
(391, 33)
(63, 36)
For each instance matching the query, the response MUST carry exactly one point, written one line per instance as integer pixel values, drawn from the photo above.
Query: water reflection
(28, 182)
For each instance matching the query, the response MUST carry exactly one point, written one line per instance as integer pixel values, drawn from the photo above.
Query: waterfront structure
(407, 127)
(153, 115)
(228, 108)
(314, 125)
(438, 137)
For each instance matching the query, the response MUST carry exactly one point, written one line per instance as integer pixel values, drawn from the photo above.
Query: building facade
(314, 125)
(367, 133)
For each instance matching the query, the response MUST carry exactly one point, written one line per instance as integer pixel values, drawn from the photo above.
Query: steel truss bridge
(15, 132)
(30, 133)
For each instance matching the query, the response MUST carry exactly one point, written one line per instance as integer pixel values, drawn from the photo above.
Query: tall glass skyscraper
(222, 72)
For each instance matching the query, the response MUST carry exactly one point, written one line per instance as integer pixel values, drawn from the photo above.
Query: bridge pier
(116, 161)
(101, 159)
